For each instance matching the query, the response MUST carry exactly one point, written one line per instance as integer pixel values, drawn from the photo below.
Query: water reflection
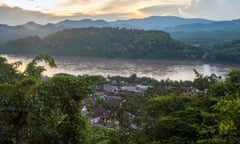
(149, 68)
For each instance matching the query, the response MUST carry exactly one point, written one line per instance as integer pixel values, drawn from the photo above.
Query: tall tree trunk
(18, 136)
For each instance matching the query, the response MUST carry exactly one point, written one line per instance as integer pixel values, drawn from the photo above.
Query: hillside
(158, 22)
(82, 23)
(8, 33)
(106, 42)
(211, 26)
(228, 51)
(206, 34)
(190, 30)
(150, 23)
(206, 38)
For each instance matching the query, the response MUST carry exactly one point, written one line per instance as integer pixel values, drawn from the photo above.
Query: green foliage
(228, 51)
(8, 72)
(203, 83)
(35, 111)
(27, 45)
(33, 70)
(32, 111)
(206, 38)
(130, 43)
(107, 42)
(201, 117)
(64, 94)
(101, 135)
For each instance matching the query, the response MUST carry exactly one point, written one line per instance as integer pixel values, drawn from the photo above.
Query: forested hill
(228, 51)
(106, 42)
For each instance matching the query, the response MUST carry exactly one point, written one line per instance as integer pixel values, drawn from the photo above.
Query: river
(158, 69)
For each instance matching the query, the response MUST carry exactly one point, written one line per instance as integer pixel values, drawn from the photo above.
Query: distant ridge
(8, 33)
(83, 23)
(149, 23)
(158, 22)
(186, 29)
(213, 26)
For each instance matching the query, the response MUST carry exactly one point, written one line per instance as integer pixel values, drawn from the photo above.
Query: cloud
(120, 4)
(107, 17)
(73, 2)
(212, 9)
(163, 10)
(126, 9)
(140, 8)
(17, 15)
(43, 11)
(123, 8)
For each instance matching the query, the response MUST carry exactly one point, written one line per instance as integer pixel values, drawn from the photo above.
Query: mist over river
(158, 69)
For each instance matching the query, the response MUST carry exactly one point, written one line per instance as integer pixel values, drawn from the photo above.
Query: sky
(13, 12)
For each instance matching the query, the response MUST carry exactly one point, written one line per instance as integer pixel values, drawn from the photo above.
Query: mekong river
(158, 69)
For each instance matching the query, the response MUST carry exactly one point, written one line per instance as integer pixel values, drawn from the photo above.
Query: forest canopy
(106, 42)
(34, 110)
(122, 43)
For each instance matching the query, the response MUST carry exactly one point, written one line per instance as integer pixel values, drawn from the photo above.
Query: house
(110, 88)
(142, 88)
(130, 88)
(84, 110)
(101, 94)
(135, 88)
(100, 115)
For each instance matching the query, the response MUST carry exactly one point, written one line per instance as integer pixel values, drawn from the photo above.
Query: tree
(20, 103)
(33, 111)
(64, 94)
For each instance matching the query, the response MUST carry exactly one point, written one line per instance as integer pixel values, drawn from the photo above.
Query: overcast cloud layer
(43, 11)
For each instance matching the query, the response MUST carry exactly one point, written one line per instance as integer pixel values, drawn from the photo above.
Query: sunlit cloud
(90, 7)
(164, 10)
(33, 5)
(56, 10)
(212, 9)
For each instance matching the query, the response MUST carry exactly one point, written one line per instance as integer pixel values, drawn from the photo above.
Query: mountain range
(186, 29)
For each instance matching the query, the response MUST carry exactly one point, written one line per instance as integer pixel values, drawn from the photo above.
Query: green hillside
(106, 42)
(228, 51)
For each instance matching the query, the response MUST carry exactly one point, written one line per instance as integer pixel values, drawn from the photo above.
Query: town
(110, 93)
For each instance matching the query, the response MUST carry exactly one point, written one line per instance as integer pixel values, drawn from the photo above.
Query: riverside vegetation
(36, 110)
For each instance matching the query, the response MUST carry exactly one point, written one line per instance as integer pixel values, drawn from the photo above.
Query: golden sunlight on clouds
(33, 5)
(129, 8)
